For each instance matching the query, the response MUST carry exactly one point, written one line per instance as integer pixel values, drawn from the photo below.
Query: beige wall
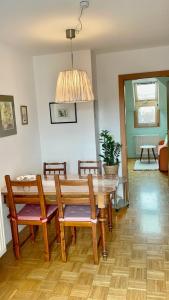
(109, 66)
(63, 142)
(20, 153)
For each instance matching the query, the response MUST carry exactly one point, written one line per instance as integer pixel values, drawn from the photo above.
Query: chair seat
(32, 212)
(79, 213)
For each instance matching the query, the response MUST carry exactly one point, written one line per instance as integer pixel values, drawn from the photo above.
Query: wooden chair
(77, 211)
(54, 168)
(86, 167)
(94, 167)
(34, 212)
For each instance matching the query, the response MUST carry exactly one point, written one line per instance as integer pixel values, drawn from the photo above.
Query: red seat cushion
(32, 212)
(79, 213)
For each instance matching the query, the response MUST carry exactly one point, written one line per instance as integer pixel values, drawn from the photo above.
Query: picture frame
(7, 116)
(24, 114)
(62, 113)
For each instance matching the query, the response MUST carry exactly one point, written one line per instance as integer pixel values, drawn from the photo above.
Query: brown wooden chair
(86, 167)
(94, 167)
(54, 168)
(34, 212)
(77, 211)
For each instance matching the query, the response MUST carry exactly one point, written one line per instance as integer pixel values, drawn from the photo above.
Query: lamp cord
(83, 5)
(71, 52)
(79, 26)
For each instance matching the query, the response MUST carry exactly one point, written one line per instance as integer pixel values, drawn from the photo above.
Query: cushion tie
(88, 220)
(12, 218)
(44, 220)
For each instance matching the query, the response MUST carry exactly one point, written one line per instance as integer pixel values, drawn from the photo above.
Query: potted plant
(110, 152)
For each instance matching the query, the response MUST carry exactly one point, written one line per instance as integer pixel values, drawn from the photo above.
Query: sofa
(163, 156)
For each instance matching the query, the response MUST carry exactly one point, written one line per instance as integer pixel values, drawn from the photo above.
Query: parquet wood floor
(137, 267)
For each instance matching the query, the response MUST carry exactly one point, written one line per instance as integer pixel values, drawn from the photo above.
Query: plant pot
(111, 170)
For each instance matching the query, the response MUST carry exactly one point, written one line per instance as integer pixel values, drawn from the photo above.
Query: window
(146, 112)
(146, 91)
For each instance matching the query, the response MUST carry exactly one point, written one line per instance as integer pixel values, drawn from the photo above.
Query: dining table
(105, 188)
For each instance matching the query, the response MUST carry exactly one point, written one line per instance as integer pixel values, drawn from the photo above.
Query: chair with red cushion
(34, 212)
(79, 210)
(52, 168)
(86, 167)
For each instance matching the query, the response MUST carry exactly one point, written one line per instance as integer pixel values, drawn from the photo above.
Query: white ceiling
(38, 26)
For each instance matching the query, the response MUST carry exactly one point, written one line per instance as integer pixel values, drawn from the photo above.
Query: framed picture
(24, 114)
(62, 113)
(7, 116)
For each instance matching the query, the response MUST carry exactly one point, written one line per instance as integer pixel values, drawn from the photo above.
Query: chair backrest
(54, 168)
(86, 167)
(75, 197)
(18, 194)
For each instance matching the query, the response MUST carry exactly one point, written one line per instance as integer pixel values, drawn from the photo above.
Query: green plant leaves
(110, 148)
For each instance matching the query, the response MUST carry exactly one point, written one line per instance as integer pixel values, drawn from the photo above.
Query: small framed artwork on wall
(24, 114)
(62, 113)
(7, 116)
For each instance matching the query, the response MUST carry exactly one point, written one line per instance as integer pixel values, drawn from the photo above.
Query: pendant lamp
(73, 85)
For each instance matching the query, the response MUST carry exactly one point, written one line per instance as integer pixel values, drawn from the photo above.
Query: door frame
(122, 79)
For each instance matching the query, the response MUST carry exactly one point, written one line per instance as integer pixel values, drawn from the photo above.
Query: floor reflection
(149, 189)
(150, 224)
(149, 201)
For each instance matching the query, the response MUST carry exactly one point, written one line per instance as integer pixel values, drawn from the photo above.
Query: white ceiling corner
(38, 27)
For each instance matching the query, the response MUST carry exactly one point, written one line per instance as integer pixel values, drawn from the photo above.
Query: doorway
(122, 108)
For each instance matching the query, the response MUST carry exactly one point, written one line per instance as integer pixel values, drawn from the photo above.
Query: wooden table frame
(104, 203)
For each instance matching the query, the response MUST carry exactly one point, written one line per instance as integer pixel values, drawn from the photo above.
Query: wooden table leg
(102, 220)
(110, 210)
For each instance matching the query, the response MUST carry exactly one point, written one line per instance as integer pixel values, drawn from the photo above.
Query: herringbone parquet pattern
(138, 262)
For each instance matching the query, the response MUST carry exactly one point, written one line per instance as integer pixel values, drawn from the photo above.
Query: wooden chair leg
(46, 242)
(31, 228)
(63, 244)
(95, 247)
(57, 225)
(15, 238)
(73, 231)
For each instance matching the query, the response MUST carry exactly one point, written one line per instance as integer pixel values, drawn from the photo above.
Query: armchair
(163, 156)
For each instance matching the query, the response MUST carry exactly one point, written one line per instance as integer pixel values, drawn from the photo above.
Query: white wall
(20, 153)
(63, 142)
(109, 66)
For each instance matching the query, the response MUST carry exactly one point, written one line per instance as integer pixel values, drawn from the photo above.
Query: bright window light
(146, 91)
(146, 115)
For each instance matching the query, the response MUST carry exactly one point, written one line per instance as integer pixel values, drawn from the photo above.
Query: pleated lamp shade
(73, 86)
